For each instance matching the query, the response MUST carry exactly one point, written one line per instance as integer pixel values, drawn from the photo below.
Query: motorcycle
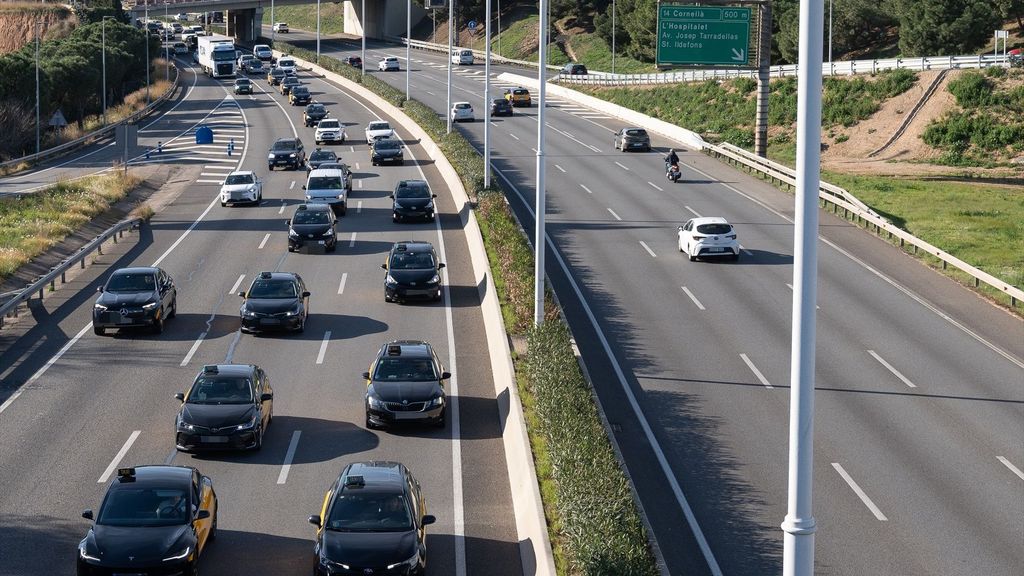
(673, 173)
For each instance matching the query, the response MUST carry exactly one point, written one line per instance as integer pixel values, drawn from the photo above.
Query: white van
(287, 64)
(462, 56)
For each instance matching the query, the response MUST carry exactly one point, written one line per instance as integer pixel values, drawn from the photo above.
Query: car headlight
(84, 555)
(294, 312)
(407, 563)
(390, 280)
(292, 233)
(270, 156)
(248, 313)
(374, 402)
(150, 306)
(99, 307)
(292, 155)
(248, 425)
(252, 189)
(439, 401)
(325, 563)
(308, 197)
(434, 279)
(329, 233)
(399, 206)
(341, 196)
(184, 553)
(430, 205)
(180, 424)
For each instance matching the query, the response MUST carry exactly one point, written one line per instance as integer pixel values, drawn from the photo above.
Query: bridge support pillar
(244, 25)
(382, 20)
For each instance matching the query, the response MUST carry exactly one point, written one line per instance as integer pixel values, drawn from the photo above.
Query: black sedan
(501, 107)
(354, 61)
(135, 297)
(228, 407)
(632, 139)
(320, 156)
(299, 95)
(288, 152)
(386, 150)
(288, 83)
(153, 520)
(413, 272)
(405, 384)
(313, 114)
(275, 301)
(373, 521)
(412, 199)
(313, 225)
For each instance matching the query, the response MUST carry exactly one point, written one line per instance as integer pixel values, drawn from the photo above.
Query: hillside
(17, 22)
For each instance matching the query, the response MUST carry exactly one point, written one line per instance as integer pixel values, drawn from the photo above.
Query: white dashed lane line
(585, 188)
(760, 377)
(288, 457)
(192, 350)
(1012, 468)
(323, 347)
(352, 240)
(648, 248)
(344, 278)
(692, 297)
(264, 242)
(234, 287)
(623, 166)
(655, 186)
(560, 168)
(860, 493)
(612, 212)
(514, 136)
(892, 369)
(692, 211)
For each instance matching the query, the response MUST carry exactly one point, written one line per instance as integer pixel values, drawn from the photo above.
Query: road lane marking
(648, 248)
(288, 457)
(351, 148)
(791, 287)
(360, 183)
(292, 185)
(513, 135)
(264, 242)
(357, 165)
(655, 186)
(323, 347)
(281, 209)
(585, 188)
(616, 216)
(170, 457)
(760, 377)
(692, 211)
(192, 350)
(352, 240)
(234, 287)
(891, 369)
(560, 168)
(229, 358)
(694, 298)
(45, 367)
(623, 166)
(860, 493)
(359, 206)
(341, 287)
(119, 456)
(1012, 468)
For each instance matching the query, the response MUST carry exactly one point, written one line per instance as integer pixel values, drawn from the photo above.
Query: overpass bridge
(383, 18)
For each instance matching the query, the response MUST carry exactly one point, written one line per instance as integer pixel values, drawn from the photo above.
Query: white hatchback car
(241, 186)
(378, 129)
(708, 237)
(329, 130)
(462, 112)
(281, 27)
(388, 63)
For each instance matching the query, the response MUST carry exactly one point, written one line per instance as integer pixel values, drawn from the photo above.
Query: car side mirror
(179, 396)
(366, 375)
(440, 265)
(87, 514)
(288, 222)
(383, 266)
(391, 195)
(266, 396)
(303, 186)
(428, 520)
(433, 195)
(99, 288)
(242, 294)
(315, 520)
(680, 228)
(446, 375)
(305, 294)
(203, 515)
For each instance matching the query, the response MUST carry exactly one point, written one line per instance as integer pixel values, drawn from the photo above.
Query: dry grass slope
(17, 22)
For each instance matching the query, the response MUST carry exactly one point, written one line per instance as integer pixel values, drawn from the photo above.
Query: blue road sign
(471, 24)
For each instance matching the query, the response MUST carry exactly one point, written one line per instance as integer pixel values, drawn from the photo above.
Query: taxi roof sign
(126, 474)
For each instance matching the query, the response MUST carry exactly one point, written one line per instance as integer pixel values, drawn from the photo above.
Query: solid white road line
(692, 211)
(648, 248)
(288, 457)
(341, 287)
(585, 188)
(560, 168)
(692, 297)
(891, 369)
(192, 350)
(323, 347)
(119, 456)
(860, 493)
(655, 186)
(352, 240)
(45, 367)
(264, 242)
(760, 377)
(621, 166)
(614, 214)
(1012, 468)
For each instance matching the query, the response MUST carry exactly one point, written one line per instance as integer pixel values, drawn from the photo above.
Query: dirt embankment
(18, 22)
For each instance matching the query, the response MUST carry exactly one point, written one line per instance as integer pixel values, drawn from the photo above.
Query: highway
(919, 427)
(77, 406)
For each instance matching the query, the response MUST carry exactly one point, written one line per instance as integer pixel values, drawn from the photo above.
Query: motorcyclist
(671, 159)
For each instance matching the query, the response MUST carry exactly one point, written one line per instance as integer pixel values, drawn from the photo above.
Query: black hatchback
(287, 152)
(501, 107)
(275, 301)
(412, 272)
(135, 297)
(313, 225)
(412, 199)
(228, 407)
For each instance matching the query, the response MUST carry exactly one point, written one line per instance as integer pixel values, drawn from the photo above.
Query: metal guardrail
(10, 307)
(96, 135)
(840, 198)
(835, 68)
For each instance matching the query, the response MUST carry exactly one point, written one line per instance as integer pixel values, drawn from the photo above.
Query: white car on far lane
(281, 27)
(241, 186)
(388, 63)
(709, 236)
(378, 129)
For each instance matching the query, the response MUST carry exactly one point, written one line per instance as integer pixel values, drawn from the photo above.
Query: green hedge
(592, 518)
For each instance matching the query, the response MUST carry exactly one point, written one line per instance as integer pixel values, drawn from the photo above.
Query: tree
(1012, 9)
(931, 28)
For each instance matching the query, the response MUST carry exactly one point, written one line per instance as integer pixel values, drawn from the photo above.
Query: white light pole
(167, 53)
(317, 31)
(145, 30)
(362, 24)
(830, 37)
(487, 96)
(38, 24)
(799, 525)
(451, 32)
(103, 40)
(408, 40)
(499, 28)
(613, 36)
(273, 33)
(539, 236)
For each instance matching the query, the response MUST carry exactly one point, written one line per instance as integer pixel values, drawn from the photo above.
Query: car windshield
(379, 126)
(323, 155)
(284, 145)
(264, 288)
(223, 55)
(131, 282)
(239, 179)
(714, 228)
(315, 108)
(385, 145)
(300, 90)
(310, 217)
(144, 506)
(358, 511)
(277, 72)
(329, 124)
(221, 390)
(291, 80)
(286, 63)
(404, 369)
(413, 191)
(242, 82)
(324, 183)
(636, 133)
(412, 261)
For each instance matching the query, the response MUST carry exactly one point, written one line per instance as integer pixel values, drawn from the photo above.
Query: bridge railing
(478, 54)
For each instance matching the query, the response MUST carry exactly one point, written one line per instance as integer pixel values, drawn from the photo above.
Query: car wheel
(302, 327)
(174, 308)
(158, 326)
(370, 425)
(213, 529)
(270, 167)
(223, 204)
(692, 257)
(259, 440)
(99, 330)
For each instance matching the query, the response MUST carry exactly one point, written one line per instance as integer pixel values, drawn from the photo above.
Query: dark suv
(313, 225)
(372, 521)
(574, 69)
(288, 152)
(135, 297)
(405, 384)
(412, 272)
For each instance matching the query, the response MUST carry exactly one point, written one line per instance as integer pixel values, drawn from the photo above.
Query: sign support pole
(487, 96)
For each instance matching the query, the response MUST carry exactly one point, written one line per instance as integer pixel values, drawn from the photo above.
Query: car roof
(410, 348)
(155, 474)
(377, 474)
(286, 140)
(229, 369)
(276, 276)
(242, 172)
(413, 246)
(710, 220)
(325, 172)
(411, 182)
(137, 270)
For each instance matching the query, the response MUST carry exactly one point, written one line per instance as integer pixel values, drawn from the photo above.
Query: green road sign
(703, 35)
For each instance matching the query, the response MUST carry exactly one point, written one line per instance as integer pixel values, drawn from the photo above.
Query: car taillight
(731, 236)
(698, 237)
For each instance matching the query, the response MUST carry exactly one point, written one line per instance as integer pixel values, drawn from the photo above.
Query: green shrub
(972, 90)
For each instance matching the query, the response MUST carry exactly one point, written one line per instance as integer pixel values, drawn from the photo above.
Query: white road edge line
(860, 493)
(692, 297)
(891, 369)
(323, 347)
(234, 287)
(760, 377)
(341, 287)
(45, 367)
(648, 248)
(192, 350)
(119, 456)
(264, 242)
(1012, 468)
(612, 212)
(288, 457)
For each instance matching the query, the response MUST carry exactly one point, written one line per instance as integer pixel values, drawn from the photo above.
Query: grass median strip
(594, 524)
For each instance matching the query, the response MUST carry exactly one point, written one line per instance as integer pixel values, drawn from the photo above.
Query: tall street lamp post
(317, 31)
(362, 24)
(38, 25)
(103, 43)
(145, 30)
(613, 36)
(487, 95)
(451, 33)
(408, 44)
(273, 33)
(539, 237)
